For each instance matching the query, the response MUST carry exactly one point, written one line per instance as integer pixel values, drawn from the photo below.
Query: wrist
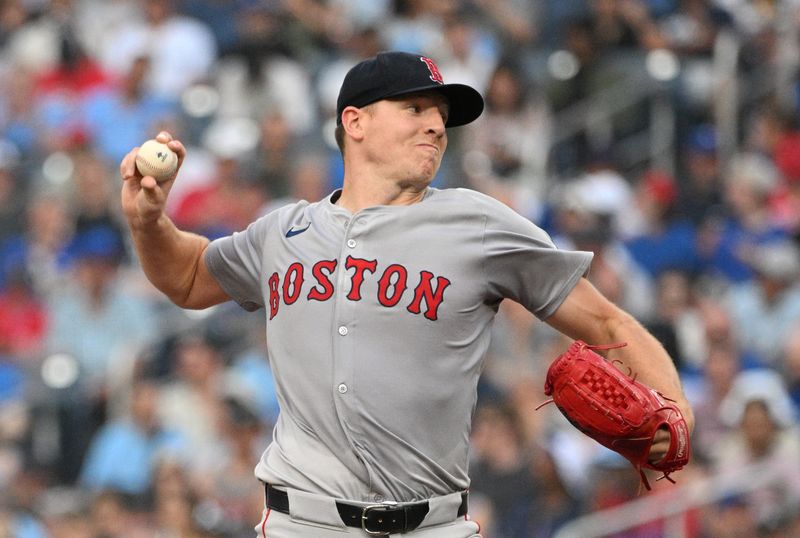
(149, 224)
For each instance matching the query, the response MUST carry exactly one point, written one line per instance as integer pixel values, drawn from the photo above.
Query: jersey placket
(346, 334)
(351, 314)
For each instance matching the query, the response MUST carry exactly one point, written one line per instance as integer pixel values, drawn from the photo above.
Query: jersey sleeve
(523, 264)
(235, 262)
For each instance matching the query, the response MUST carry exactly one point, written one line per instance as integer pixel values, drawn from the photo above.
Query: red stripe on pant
(264, 524)
(478, 523)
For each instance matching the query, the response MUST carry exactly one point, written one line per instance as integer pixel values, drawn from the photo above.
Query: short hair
(339, 136)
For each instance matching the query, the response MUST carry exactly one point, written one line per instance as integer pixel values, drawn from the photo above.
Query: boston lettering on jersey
(393, 284)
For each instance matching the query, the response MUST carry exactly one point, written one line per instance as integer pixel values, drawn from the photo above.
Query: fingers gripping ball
(616, 410)
(157, 160)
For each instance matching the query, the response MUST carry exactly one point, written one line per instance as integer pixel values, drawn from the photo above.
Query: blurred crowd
(124, 416)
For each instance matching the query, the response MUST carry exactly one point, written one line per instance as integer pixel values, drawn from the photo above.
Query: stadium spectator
(192, 402)
(503, 150)
(661, 241)
(182, 50)
(624, 24)
(41, 248)
(224, 205)
(785, 204)
(92, 203)
(749, 182)
(277, 150)
(229, 487)
(700, 188)
(763, 433)
(552, 504)
(124, 451)
(125, 114)
(95, 317)
(469, 55)
(499, 467)
(707, 391)
(766, 309)
(23, 314)
(11, 191)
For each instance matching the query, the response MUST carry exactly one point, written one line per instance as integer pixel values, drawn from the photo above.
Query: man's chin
(418, 182)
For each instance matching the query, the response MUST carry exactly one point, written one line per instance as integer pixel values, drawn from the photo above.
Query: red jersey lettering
(433, 298)
(390, 287)
(274, 297)
(292, 283)
(321, 272)
(360, 266)
(385, 283)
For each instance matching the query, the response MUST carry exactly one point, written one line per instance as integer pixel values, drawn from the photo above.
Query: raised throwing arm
(172, 259)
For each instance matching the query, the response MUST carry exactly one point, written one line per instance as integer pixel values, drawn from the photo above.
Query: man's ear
(352, 122)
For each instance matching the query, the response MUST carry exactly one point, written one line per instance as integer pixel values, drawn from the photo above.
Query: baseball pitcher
(379, 301)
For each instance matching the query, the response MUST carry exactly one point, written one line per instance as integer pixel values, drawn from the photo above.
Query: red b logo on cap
(436, 76)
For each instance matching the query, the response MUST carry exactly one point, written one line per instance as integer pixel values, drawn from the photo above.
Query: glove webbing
(601, 347)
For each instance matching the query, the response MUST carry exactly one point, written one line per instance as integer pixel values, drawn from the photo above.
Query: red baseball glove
(615, 410)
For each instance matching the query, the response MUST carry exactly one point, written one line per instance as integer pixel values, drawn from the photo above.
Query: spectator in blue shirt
(124, 452)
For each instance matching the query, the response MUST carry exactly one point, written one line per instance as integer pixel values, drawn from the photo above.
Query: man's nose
(435, 123)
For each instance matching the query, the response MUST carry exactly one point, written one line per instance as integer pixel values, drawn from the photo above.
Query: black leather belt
(374, 519)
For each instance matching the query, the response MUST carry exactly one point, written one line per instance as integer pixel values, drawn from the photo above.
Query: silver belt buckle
(365, 511)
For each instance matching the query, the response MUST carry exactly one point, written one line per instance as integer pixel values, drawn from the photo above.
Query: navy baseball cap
(391, 74)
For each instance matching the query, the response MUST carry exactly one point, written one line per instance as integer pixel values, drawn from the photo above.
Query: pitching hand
(660, 445)
(143, 198)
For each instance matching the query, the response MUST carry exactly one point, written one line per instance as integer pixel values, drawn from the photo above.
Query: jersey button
(343, 330)
(378, 498)
(342, 388)
(351, 243)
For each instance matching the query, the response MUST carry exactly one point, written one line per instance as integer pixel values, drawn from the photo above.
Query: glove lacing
(601, 347)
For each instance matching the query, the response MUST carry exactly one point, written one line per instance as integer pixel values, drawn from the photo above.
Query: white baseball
(157, 160)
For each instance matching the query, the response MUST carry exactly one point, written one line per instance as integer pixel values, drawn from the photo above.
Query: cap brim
(466, 103)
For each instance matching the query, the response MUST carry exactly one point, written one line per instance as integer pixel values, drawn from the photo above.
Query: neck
(360, 193)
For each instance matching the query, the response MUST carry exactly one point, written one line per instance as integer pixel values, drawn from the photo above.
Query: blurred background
(660, 134)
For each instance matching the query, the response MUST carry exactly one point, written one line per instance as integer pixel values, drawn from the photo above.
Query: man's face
(405, 136)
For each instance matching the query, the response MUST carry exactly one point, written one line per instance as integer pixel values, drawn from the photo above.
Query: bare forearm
(588, 316)
(172, 259)
(169, 257)
(646, 357)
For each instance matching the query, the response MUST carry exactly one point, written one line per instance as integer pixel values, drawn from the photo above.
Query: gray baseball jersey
(377, 327)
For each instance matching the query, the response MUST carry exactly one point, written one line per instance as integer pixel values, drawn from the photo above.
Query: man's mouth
(429, 146)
